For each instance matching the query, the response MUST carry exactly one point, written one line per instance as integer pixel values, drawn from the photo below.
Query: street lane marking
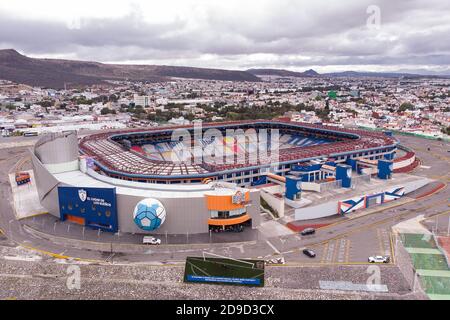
(348, 251)
(324, 251)
(273, 247)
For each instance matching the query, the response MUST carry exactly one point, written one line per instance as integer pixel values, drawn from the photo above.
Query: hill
(282, 73)
(54, 73)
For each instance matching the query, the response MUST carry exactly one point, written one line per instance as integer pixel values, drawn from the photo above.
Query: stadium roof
(112, 157)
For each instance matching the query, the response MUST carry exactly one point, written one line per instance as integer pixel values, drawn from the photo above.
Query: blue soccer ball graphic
(149, 214)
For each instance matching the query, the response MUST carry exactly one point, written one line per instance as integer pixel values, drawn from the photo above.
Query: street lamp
(10, 229)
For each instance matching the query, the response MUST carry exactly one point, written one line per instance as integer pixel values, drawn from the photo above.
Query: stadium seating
(155, 156)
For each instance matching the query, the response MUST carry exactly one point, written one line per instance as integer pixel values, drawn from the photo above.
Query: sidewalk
(26, 200)
(50, 227)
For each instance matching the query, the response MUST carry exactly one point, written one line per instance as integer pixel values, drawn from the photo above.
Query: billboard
(92, 207)
(228, 271)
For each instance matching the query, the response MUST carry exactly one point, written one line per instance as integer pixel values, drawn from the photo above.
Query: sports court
(430, 264)
(224, 271)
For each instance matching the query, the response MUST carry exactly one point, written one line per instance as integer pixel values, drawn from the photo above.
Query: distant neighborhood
(415, 106)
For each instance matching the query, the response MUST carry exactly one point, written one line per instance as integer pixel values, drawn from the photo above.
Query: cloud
(285, 33)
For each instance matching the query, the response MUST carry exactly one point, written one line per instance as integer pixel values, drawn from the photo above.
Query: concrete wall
(404, 163)
(311, 186)
(57, 148)
(62, 167)
(331, 208)
(275, 203)
(315, 212)
(414, 185)
(47, 186)
(184, 215)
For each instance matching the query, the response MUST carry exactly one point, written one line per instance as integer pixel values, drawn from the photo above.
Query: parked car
(379, 259)
(275, 261)
(151, 240)
(310, 253)
(308, 231)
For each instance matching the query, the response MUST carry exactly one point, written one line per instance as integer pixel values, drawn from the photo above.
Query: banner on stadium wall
(394, 193)
(93, 207)
(350, 205)
(374, 199)
(353, 204)
(228, 271)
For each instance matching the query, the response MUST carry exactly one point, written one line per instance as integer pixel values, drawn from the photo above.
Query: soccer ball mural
(149, 214)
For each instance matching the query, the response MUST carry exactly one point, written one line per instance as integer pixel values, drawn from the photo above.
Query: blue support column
(353, 163)
(344, 173)
(389, 156)
(293, 188)
(385, 168)
(359, 169)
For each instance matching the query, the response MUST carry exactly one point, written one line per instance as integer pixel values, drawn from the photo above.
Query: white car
(151, 240)
(379, 259)
(275, 261)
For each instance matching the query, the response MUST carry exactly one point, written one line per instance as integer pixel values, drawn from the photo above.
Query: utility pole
(437, 226)
(448, 227)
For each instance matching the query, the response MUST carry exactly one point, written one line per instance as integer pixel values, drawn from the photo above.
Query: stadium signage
(94, 207)
(238, 197)
(226, 271)
(254, 282)
(82, 194)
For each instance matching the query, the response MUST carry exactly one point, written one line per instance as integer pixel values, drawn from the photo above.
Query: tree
(446, 130)
(406, 106)
(46, 103)
(105, 111)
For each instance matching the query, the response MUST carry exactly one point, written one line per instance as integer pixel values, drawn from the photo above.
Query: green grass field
(436, 285)
(411, 240)
(429, 261)
(224, 268)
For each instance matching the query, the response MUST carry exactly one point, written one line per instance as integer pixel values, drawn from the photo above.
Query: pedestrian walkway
(423, 250)
(26, 199)
(434, 273)
(429, 263)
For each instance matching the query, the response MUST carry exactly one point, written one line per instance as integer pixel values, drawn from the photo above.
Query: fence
(330, 185)
(365, 178)
(444, 252)
(405, 265)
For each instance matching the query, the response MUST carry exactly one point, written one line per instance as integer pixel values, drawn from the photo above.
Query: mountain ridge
(56, 73)
(313, 73)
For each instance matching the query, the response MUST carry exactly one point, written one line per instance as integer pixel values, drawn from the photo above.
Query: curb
(436, 190)
(107, 246)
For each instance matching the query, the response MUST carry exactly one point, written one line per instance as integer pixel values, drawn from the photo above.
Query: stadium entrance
(230, 227)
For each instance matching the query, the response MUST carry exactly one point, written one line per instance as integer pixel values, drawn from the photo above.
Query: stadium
(147, 181)
(152, 155)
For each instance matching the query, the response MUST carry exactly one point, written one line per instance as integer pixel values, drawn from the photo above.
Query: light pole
(437, 225)
(448, 227)
(10, 229)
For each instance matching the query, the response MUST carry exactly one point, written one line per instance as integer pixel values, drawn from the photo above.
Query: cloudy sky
(235, 34)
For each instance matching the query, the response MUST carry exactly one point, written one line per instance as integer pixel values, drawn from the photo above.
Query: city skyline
(360, 35)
